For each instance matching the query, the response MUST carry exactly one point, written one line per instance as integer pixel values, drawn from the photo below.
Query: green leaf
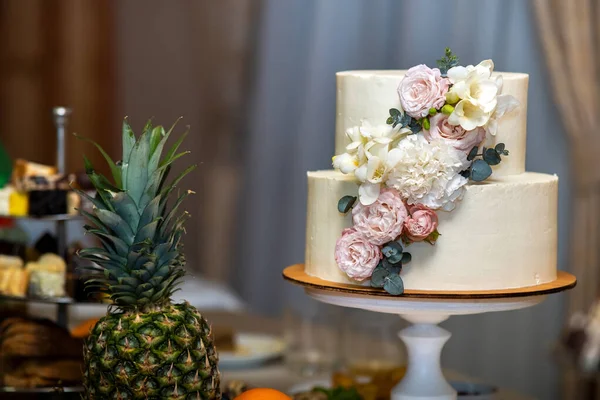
(500, 147)
(120, 246)
(433, 237)
(448, 61)
(167, 190)
(407, 257)
(167, 219)
(378, 276)
(116, 224)
(472, 153)
(97, 203)
(126, 208)
(150, 213)
(395, 117)
(114, 169)
(146, 232)
(414, 126)
(480, 171)
(491, 157)
(137, 168)
(156, 136)
(170, 154)
(392, 252)
(382, 271)
(394, 285)
(345, 204)
(128, 139)
(432, 111)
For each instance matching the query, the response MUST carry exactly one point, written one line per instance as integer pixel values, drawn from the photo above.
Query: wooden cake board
(296, 275)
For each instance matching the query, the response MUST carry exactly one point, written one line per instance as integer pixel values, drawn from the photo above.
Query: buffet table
(275, 374)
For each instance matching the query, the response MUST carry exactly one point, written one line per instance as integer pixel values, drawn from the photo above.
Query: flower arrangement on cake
(417, 164)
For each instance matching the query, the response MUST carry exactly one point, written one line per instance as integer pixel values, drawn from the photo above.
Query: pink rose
(455, 135)
(355, 255)
(382, 221)
(422, 222)
(421, 89)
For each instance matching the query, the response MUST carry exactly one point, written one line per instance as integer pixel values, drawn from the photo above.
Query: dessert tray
(424, 339)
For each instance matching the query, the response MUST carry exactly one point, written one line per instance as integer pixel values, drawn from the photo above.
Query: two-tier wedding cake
(429, 190)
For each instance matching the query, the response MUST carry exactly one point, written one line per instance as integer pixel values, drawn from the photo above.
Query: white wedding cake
(429, 190)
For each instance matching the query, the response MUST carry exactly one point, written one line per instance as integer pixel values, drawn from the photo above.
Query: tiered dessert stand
(424, 340)
(60, 115)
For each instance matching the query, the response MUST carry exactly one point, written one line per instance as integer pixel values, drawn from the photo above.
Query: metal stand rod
(62, 315)
(61, 119)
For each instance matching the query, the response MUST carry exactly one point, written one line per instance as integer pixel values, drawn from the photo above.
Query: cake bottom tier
(502, 235)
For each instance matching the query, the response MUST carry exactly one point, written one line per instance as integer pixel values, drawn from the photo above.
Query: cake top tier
(367, 96)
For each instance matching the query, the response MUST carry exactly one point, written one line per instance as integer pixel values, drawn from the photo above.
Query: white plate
(251, 349)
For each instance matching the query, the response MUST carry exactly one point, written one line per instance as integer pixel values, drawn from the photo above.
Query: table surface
(275, 375)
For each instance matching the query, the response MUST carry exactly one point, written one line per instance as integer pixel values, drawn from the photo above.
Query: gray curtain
(290, 130)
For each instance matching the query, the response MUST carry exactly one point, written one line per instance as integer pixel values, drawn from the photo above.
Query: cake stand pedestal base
(424, 339)
(424, 378)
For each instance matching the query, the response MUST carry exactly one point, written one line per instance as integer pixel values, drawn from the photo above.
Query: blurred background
(255, 80)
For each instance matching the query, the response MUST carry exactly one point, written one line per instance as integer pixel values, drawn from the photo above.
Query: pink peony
(382, 221)
(355, 255)
(455, 135)
(421, 89)
(422, 222)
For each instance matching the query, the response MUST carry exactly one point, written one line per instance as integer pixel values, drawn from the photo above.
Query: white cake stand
(424, 340)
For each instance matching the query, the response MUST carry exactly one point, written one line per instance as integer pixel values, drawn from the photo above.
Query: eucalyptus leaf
(480, 170)
(379, 275)
(394, 285)
(414, 126)
(345, 204)
(391, 248)
(472, 153)
(397, 267)
(406, 258)
(491, 157)
(500, 147)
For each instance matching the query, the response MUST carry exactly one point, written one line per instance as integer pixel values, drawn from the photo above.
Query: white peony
(366, 156)
(427, 173)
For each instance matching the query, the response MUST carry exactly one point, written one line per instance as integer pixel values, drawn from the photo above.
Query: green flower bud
(426, 124)
(432, 111)
(452, 98)
(447, 109)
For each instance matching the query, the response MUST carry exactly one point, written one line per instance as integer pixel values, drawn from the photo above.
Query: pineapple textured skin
(166, 353)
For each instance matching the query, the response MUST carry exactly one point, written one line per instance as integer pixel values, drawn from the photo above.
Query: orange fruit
(263, 394)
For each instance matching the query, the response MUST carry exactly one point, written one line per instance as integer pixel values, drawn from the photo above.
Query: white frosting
(502, 234)
(369, 95)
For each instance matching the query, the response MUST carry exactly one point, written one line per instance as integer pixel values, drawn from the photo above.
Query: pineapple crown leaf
(140, 262)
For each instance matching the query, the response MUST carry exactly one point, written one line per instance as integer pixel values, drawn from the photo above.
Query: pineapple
(145, 347)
